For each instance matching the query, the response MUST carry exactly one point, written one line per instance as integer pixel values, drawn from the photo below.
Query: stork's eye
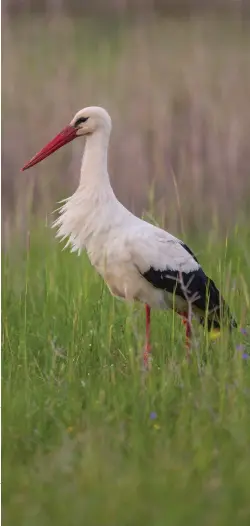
(80, 121)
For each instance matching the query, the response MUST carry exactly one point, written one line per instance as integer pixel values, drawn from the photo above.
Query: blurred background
(175, 77)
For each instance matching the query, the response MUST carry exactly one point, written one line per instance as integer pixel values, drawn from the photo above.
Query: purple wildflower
(245, 356)
(243, 331)
(153, 415)
(240, 347)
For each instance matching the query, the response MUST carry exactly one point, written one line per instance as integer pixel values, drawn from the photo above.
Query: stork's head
(90, 120)
(86, 122)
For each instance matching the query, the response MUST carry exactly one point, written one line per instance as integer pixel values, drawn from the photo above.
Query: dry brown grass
(178, 93)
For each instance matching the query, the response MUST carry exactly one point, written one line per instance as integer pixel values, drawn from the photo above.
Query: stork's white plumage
(137, 260)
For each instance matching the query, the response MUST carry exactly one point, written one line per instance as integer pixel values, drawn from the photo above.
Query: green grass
(79, 446)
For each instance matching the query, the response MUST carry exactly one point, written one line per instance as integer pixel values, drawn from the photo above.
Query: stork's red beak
(65, 136)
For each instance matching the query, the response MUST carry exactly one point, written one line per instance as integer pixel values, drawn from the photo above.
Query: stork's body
(137, 260)
(120, 245)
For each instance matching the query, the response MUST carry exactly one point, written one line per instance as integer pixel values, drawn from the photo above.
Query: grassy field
(87, 437)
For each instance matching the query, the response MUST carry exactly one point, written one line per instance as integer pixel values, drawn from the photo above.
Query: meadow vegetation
(87, 438)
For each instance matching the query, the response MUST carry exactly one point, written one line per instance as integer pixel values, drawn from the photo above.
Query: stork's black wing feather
(194, 287)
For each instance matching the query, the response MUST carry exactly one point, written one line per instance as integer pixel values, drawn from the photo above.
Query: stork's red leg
(186, 322)
(147, 349)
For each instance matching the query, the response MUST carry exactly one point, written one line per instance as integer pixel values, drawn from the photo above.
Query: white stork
(137, 260)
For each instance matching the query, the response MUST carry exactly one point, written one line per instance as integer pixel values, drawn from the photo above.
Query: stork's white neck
(88, 216)
(94, 170)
